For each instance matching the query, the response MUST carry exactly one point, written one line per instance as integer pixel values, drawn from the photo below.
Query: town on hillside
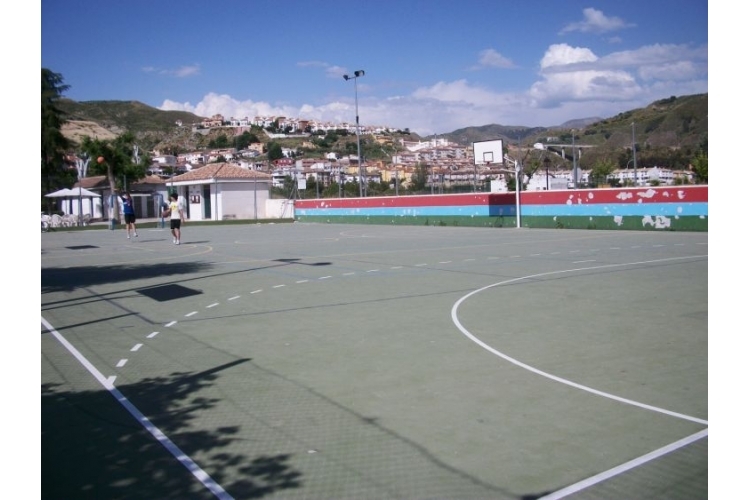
(445, 165)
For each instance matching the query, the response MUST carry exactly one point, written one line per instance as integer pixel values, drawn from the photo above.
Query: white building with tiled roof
(222, 191)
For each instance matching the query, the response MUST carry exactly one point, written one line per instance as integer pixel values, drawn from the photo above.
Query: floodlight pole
(357, 74)
(575, 171)
(635, 162)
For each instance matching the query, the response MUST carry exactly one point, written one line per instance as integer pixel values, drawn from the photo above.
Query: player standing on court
(176, 217)
(129, 214)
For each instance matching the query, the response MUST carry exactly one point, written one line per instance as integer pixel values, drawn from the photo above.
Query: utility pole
(635, 162)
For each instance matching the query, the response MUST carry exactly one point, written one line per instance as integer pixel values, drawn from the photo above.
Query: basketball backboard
(488, 152)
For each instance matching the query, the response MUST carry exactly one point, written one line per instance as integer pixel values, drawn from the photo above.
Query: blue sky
(430, 66)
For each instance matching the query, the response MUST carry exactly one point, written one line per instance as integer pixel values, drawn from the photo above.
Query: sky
(429, 66)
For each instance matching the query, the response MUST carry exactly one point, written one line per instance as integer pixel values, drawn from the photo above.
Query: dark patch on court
(166, 293)
(81, 247)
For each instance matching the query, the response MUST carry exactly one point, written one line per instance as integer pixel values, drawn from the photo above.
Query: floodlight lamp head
(346, 77)
(359, 73)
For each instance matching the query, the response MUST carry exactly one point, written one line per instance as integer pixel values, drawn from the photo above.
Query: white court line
(234, 298)
(107, 383)
(617, 470)
(136, 347)
(212, 305)
(171, 323)
(603, 476)
(467, 333)
(121, 363)
(191, 314)
(152, 335)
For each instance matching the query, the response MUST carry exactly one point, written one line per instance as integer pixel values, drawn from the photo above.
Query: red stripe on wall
(451, 200)
(683, 194)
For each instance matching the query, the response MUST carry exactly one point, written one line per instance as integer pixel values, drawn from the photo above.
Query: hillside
(676, 122)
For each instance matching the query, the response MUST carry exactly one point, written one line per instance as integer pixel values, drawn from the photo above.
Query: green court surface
(314, 361)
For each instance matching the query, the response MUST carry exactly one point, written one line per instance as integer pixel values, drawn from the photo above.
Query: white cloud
(490, 58)
(181, 72)
(229, 107)
(573, 82)
(594, 21)
(563, 54)
(331, 70)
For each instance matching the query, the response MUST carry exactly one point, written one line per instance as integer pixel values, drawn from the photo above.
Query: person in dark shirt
(129, 213)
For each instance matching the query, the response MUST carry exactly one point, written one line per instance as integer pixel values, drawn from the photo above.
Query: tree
(274, 151)
(118, 162)
(700, 167)
(601, 170)
(419, 179)
(55, 171)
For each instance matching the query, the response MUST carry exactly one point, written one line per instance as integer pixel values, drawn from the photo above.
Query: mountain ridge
(675, 122)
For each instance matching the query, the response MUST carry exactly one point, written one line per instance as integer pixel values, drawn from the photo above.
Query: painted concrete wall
(683, 208)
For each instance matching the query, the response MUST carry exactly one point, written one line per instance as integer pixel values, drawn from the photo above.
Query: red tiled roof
(220, 171)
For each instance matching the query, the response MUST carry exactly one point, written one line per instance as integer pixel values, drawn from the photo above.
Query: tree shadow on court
(66, 279)
(93, 448)
(60, 279)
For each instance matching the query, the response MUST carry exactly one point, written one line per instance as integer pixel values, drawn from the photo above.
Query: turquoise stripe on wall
(625, 209)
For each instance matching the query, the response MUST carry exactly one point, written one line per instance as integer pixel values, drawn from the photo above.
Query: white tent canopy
(61, 193)
(79, 191)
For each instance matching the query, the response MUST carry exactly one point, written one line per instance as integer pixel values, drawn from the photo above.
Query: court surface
(312, 361)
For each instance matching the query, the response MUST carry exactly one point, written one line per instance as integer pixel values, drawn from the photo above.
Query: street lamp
(575, 171)
(635, 174)
(635, 162)
(357, 74)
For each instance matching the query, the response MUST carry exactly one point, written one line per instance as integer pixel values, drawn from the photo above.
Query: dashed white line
(191, 314)
(397, 267)
(234, 298)
(373, 270)
(324, 277)
(121, 363)
(445, 262)
(136, 347)
(302, 281)
(152, 335)
(419, 265)
(279, 286)
(212, 305)
(256, 291)
(348, 274)
(171, 323)
(160, 437)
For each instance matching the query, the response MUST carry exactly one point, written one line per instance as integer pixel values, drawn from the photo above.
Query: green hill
(676, 123)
